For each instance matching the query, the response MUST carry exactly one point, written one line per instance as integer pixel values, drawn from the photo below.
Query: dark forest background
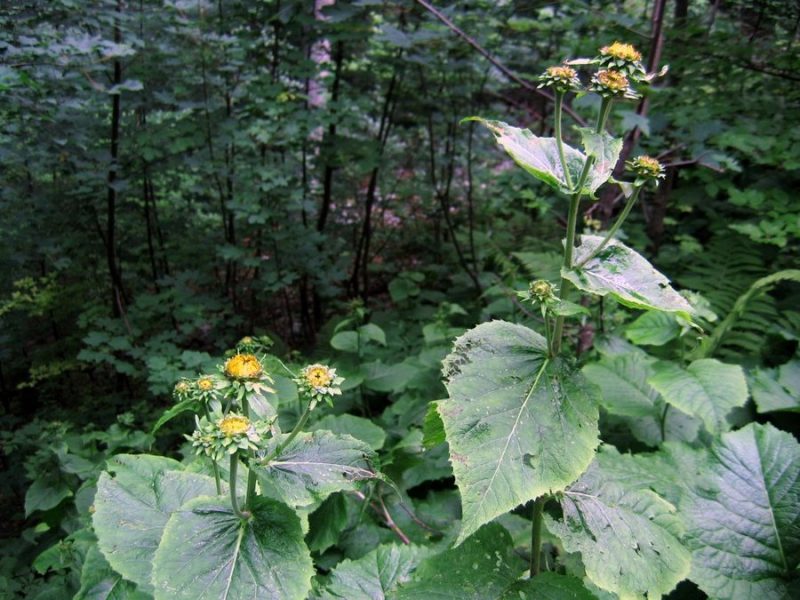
(176, 174)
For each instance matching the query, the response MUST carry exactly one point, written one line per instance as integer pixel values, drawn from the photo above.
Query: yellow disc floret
(205, 383)
(243, 366)
(613, 81)
(565, 74)
(621, 51)
(233, 425)
(318, 376)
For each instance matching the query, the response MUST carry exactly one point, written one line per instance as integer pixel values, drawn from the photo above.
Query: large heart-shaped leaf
(314, 465)
(628, 537)
(100, 582)
(519, 423)
(134, 500)
(208, 553)
(743, 515)
(707, 389)
(625, 275)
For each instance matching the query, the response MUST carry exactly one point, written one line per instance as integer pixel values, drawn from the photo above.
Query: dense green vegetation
(279, 320)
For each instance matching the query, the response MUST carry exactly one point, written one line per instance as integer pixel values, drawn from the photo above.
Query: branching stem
(620, 220)
(572, 220)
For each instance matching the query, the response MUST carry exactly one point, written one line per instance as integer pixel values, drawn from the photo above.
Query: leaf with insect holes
(519, 423)
(628, 537)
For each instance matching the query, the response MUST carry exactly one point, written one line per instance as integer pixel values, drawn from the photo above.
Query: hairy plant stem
(572, 220)
(251, 476)
(560, 139)
(293, 434)
(536, 534)
(213, 461)
(234, 468)
(620, 220)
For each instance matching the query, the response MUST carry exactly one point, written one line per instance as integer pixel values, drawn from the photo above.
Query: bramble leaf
(374, 575)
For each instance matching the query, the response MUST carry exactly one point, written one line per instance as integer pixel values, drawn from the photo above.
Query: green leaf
(44, 493)
(314, 465)
(548, 586)
(626, 276)
(326, 523)
(177, 409)
(605, 149)
(433, 432)
(388, 378)
(359, 427)
(346, 341)
(743, 516)
(653, 328)
(482, 568)
(134, 499)
(100, 582)
(777, 389)
(208, 553)
(519, 424)
(623, 384)
(538, 155)
(628, 537)
(374, 575)
(707, 389)
(371, 332)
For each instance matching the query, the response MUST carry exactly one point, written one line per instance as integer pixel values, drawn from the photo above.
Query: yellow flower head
(243, 366)
(613, 81)
(542, 290)
(318, 376)
(233, 425)
(205, 383)
(621, 51)
(565, 74)
(646, 167)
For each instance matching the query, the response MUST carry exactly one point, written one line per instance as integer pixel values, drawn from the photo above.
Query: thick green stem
(251, 476)
(232, 484)
(293, 434)
(213, 462)
(536, 534)
(572, 220)
(560, 139)
(620, 220)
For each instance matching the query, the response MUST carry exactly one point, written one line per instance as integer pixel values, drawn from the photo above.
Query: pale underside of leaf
(625, 275)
